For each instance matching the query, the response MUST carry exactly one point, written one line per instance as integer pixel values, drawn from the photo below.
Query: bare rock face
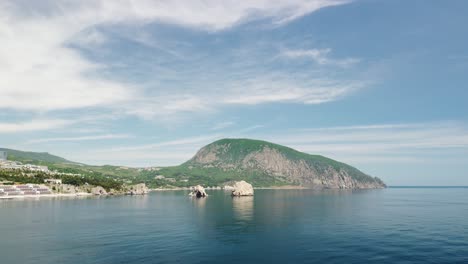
(138, 189)
(242, 188)
(198, 191)
(98, 190)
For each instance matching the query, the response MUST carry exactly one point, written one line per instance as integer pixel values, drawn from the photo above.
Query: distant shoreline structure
(53, 195)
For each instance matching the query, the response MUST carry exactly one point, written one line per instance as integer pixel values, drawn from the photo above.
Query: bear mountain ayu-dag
(260, 162)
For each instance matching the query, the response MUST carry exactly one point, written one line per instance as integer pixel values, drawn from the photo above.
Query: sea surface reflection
(279, 226)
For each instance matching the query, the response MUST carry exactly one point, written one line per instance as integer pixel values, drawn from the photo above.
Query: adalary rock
(198, 191)
(242, 188)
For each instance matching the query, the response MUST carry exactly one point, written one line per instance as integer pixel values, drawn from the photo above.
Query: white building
(36, 168)
(53, 181)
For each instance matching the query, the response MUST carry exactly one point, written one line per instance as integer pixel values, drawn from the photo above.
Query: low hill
(33, 157)
(265, 164)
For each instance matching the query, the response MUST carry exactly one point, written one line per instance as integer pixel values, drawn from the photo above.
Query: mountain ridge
(282, 163)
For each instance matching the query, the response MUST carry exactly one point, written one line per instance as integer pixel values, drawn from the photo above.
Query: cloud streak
(81, 138)
(34, 125)
(319, 56)
(290, 93)
(438, 142)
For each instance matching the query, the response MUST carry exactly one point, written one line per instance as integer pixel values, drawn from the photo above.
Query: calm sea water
(395, 225)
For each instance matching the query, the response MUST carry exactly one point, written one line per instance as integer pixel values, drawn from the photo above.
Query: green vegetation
(38, 158)
(20, 176)
(227, 167)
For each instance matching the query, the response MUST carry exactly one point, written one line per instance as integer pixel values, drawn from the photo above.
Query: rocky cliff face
(285, 164)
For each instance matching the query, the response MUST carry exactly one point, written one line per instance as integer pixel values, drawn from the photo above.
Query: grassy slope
(33, 157)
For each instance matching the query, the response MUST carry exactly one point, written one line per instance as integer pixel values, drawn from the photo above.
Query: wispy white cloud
(264, 89)
(171, 143)
(319, 56)
(372, 127)
(87, 123)
(132, 158)
(34, 125)
(81, 138)
(163, 153)
(382, 143)
(272, 92)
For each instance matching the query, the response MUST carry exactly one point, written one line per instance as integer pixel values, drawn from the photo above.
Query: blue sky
(381, 85)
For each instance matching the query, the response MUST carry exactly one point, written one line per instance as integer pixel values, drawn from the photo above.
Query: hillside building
(53, 181)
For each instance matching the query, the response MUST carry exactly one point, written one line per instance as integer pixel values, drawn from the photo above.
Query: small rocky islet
(239, 188)
(242, 188)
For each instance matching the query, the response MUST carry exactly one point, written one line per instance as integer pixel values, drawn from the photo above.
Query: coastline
(47, 195)
(285, 187)
(84, 194)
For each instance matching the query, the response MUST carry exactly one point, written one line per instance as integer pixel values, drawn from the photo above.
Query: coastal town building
(7, 164)
(151, 169)
(53, 181)
(36, 168)
(23, 190)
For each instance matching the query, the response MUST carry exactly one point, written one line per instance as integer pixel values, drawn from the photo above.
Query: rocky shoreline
(141, 189)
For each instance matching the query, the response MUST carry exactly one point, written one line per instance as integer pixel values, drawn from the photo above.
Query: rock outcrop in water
(242, 188)
(198, 191)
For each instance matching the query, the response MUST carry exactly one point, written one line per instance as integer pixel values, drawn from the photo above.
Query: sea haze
(394, 225)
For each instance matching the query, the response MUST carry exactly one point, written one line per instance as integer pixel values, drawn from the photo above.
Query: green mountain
(258, 162)
(267, 164)
(33, 157)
